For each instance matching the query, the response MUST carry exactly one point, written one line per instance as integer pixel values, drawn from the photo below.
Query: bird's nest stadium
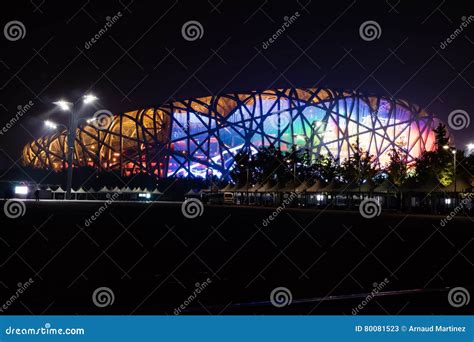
(196, 137)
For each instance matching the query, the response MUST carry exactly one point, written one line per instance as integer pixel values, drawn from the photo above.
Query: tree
(244, 167)
(298, 162)
(397, 169)
(303, 166)
(359, 167)
(466, 166)
(441, 137)
(437, 164)
(269, 164)
(325, 168)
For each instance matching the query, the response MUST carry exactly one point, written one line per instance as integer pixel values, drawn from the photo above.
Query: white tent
(116, 189)
(58, 191)
(156, 192)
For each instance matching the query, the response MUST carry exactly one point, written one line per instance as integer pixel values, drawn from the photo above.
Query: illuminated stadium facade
(197, 137)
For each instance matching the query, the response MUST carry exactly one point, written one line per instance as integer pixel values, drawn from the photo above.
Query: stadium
(201, 136)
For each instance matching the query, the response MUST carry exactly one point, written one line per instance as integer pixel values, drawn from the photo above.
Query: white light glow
(21, 190)
(64, 105)
(89, 98)
(50, 124)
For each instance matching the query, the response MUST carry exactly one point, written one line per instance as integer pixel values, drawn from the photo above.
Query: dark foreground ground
(152, 258)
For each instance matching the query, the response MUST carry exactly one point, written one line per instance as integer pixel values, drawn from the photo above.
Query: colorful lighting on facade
(198, 136)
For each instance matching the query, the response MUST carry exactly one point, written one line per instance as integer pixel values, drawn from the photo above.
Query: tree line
(269, 163)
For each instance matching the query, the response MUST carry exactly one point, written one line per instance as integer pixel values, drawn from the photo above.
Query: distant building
(196, 137)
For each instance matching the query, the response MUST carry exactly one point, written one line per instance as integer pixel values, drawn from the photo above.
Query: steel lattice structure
(202, 135)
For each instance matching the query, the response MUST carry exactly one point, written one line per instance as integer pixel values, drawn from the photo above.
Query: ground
(153, 259)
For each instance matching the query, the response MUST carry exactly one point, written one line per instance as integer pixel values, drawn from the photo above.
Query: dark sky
(143, 59)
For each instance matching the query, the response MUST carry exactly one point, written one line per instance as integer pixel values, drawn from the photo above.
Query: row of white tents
(125, 193)
(347, 195)
(333, 187)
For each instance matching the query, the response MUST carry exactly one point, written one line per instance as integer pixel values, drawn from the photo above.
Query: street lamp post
(247, 181)
(454, 175)
(294, 174)
(453, 151)
(71, 134)
(248, 199)
(210, 176)
(294, 171)
(71, 137)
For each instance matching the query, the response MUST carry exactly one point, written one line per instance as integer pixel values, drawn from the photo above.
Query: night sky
(143, 60)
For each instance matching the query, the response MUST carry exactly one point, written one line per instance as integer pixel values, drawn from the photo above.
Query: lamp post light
(294, 171)
(470, 148)
(51, 124)
(453, 151)
(71, 133)
(89, 98)
(454, 175)
(247, 181)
